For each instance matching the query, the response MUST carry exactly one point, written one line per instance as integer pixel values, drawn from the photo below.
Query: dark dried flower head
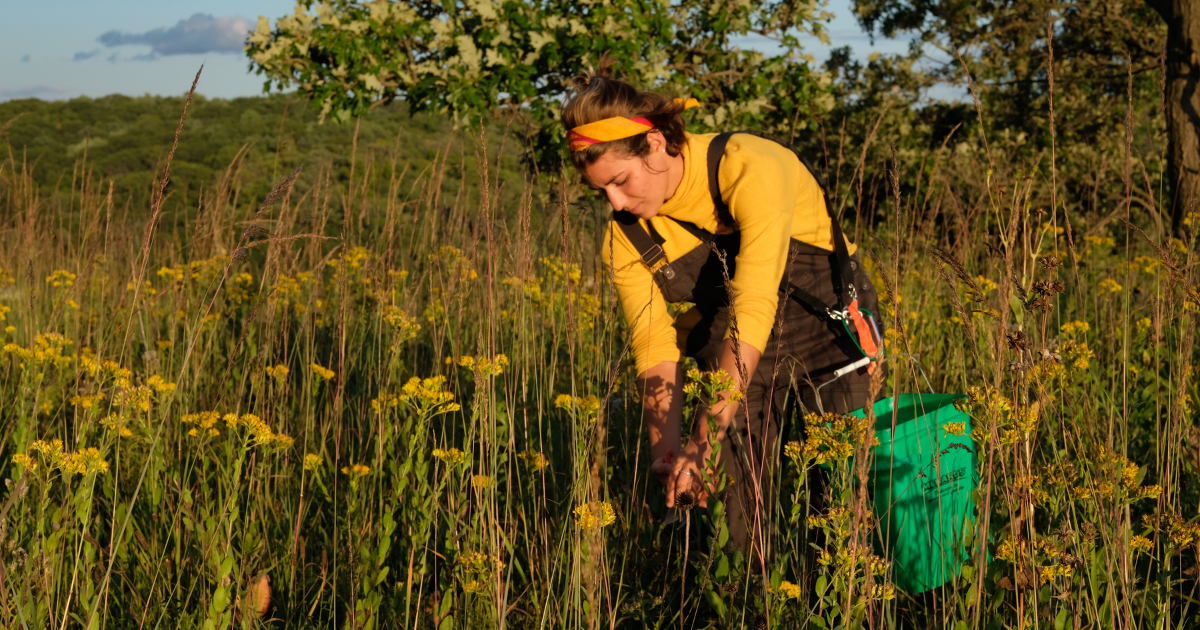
(255, 232)
(1016, 339)
(685, 500)
(760, 622)
(240, 254)
(1057, 286)
(1041, 303)
(1050, 262)
(731, 588)
(1041, 287)
(1074, 562)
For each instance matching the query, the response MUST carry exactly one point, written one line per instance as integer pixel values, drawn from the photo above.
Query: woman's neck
(675, 170)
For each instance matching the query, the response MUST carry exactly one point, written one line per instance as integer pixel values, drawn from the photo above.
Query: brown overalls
(807, 345)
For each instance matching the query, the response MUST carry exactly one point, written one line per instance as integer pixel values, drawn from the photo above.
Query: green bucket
(922, 480)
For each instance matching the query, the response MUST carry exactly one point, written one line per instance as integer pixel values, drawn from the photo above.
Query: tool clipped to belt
(847, 312)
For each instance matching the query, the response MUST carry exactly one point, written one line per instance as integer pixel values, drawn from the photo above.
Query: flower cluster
(312, 462)
(451, 457)
(51, 456)
(48, 350)
(597, 514)
(427, 396)
(584, 407)
(258, 432)
(406, 327)
(205, 422)
(61, 279)
(278, 372)
(703, 387)
(88, 401)
(356, 472)
(831, 438)
(453, 259)
(484, 366)
(534, 459)
(323, 373)
(96, 368)
(116, 424)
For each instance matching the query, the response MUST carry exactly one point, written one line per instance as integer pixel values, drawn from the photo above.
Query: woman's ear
(658, 143)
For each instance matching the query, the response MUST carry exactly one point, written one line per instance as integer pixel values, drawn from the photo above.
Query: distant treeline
(126, 140)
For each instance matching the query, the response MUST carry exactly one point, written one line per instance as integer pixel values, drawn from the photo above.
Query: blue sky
(69, 48)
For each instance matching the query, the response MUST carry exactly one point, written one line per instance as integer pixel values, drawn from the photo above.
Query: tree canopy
(477, 59)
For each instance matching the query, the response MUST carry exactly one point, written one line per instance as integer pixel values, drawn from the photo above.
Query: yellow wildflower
(85, 461)
(25, 461)
(312, 462)
(451, 457)
(61, 279)
(955, 428)
(323, 373)
(1140, 544)
(356, 473)
(406, 327)
(159, 385)
(1108, 285)
(534, 460)
(278, 372)
(1074, 328)
(594, 515)
(88, 401)
(481, 482)
(428, 396)
(114, 424)
(787, 591)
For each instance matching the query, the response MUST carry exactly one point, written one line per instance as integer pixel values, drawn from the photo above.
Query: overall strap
(648, 242)
(650, 251)
(843, 274)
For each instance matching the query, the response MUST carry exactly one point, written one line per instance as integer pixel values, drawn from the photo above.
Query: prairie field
(391, 388)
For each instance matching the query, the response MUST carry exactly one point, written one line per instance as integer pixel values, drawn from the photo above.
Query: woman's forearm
(662, 407)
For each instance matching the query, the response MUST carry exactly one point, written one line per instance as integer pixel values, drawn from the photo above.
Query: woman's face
(637, 184)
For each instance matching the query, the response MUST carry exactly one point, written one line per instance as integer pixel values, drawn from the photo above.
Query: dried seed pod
(1058, 287)
(255, 232)
(1016, 340)
(1050, 262)
(240, 254)
(685, 500)
(760, 622)
(1042, 287)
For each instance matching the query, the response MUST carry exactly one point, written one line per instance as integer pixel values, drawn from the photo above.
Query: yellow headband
(614, 128)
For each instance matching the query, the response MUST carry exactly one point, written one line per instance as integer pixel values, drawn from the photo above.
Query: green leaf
(220, 599)
(1018, 310)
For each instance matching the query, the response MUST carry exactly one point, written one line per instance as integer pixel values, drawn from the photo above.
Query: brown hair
(597, 95)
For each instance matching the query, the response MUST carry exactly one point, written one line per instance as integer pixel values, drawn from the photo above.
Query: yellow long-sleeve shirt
(772, 198)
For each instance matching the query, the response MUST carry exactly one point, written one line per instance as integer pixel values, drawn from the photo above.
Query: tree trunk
(1183, 105)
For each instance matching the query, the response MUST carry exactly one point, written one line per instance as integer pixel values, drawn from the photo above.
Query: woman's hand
(683, 472)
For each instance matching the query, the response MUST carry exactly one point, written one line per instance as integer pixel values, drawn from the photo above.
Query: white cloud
(198, 34)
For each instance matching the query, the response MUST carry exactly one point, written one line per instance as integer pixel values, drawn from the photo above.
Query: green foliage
(517, 58)
(125, 141)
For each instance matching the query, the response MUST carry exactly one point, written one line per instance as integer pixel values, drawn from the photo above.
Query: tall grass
(349, 405)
